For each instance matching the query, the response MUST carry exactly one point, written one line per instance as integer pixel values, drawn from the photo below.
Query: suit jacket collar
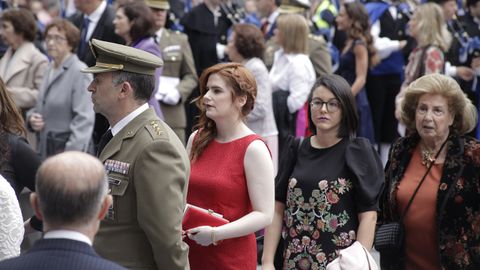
(20, 60)
(63, 244)
(126, 133)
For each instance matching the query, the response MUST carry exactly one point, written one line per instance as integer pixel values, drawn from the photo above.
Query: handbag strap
(421, 181)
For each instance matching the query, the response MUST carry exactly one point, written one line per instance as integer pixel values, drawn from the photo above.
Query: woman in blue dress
(357, 57)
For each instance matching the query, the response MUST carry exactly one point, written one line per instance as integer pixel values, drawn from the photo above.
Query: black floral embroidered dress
(326, 191)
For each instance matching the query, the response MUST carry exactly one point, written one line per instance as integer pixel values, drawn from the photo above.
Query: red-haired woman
(231, 171)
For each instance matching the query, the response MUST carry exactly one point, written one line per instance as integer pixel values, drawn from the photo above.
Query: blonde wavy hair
(461, 107)
(431, 27)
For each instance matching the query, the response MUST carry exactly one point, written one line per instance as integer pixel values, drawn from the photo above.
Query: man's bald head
(70, 187)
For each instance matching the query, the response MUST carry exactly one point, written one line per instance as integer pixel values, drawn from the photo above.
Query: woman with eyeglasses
(63, 117)
(327, 187)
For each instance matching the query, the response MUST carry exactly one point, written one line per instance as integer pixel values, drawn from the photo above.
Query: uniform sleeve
(367, 168)
(285, 168)
(161, 175)
(188, 74)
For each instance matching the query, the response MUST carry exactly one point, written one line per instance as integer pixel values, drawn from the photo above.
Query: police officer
(179, 77)
(146, 163)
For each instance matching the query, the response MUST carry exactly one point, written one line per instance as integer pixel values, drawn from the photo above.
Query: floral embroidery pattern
(307, 219)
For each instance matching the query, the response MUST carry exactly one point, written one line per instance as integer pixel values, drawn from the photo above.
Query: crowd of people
(302, 126)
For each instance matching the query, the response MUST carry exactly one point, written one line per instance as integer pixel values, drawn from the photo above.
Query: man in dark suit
(148, 167)
(71, 198)
(95, 20)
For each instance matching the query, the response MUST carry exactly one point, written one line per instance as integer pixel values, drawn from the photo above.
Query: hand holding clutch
(203, 235)
(200, 223)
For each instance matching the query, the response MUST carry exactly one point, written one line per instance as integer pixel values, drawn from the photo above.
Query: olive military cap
(160, 4)
(115, 57)
(293, 6)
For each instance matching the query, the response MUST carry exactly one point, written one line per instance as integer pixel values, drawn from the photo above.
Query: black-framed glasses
(332, 105)
(55, 38)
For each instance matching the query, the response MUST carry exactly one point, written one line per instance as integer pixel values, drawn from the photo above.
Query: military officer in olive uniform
(179, 77)
(147, 165)
(317, 46)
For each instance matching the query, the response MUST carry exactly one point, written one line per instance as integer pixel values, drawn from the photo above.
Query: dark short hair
(249, 40)
(142, 18)
(142, 84)
(343, 92)
(71, 31)
(23, 22)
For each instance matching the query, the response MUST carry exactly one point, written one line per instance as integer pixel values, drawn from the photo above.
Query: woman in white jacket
(292, 74)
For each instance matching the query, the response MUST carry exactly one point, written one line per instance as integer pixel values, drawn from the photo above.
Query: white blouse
(294, 73)
(11, 221)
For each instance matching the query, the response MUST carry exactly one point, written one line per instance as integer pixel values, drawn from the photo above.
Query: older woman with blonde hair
(435, 170)
(292, 74)
(429, 30)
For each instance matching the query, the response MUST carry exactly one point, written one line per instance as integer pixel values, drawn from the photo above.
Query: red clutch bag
(195, 216)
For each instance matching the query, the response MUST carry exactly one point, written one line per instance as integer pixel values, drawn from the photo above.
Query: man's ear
(126, 90)
(36, 205)
(105, 205)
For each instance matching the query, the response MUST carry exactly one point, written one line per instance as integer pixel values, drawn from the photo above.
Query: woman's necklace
(428, 157)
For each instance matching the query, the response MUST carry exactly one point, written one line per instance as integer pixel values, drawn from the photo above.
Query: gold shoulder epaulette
(155, 129)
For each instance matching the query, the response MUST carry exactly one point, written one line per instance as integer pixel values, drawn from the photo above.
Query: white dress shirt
(94, 17)
(67, 234)
(293, 73)
(127, 119)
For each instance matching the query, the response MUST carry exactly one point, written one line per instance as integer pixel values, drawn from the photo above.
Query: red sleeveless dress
(217, 182)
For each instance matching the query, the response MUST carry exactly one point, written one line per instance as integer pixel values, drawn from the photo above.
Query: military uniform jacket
(148, 172)
(177, 63)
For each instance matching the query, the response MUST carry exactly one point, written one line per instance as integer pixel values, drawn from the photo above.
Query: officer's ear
(126, 90)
